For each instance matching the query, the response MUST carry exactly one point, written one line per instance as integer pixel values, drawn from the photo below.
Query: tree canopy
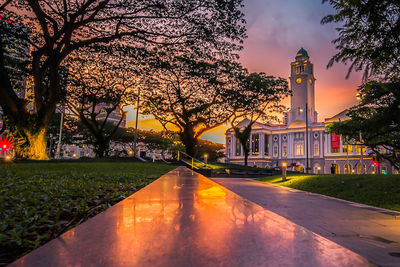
(255, 99)
(377, 117)
(58, 28)
(188, 96)
(369, 36)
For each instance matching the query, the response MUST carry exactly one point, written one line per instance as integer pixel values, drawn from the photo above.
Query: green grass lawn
(219, 165)
(39, 201)
(376, 190)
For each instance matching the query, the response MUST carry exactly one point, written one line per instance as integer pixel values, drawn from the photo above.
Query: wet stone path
(185, 219)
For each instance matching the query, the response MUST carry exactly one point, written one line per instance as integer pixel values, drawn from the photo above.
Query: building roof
(302, 53)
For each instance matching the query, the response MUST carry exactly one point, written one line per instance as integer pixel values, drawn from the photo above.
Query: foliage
(377, 117)
(59, 29)
(98, 90)
(40, 201)
(72, 132)
(188, 96)
(369, 37)
(256, 94)
(213, 150)
(376, 190)
(151, 139)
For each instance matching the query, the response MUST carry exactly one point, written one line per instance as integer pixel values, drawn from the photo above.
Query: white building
(291, 142)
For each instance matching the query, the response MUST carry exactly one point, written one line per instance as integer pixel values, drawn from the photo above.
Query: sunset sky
(276, 30)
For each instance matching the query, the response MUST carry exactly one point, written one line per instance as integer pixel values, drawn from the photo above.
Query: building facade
(301, 141)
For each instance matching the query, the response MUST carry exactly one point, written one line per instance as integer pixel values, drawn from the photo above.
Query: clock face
(298, 80)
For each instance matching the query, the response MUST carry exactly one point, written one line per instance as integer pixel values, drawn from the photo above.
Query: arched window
(347, 168)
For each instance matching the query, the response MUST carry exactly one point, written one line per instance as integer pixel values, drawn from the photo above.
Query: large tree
(369, 36)
(255, 99)
(188, 96)
(101, 83)
(58, 28)
(377, 117)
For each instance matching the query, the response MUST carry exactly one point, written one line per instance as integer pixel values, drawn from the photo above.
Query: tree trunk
(246, 156)
(37, 144)
(101, 148)
(189, 141)
(244, 139)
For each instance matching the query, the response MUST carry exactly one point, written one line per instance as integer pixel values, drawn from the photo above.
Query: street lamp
(284, 166)
(358, 97)
(205, 158)
(130, 152)
(319, 169)
(301, 110)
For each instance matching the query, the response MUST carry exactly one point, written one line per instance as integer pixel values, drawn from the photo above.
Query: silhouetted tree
(377, 117)
(369, 36)
(213, 150)
(256, 94)
(189, 96)
(101, 83)
(61, 27)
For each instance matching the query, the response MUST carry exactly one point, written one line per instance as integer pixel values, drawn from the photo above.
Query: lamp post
(58, 151)
(205, 158)
(358, 97)
(136, 124)
(284, 166)
(307, 167)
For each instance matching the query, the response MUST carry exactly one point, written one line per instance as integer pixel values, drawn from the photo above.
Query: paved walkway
(185, 219)
(371, 232)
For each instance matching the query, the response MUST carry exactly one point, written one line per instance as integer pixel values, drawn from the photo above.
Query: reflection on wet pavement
(185, 219)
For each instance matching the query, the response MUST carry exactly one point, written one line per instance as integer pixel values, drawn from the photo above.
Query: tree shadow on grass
(280, 181)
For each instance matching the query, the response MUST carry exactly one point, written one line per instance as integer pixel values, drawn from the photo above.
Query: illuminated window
(255, 144)
(299, 150)
(358, 148)
(347, 168)
(350, 148)
(284, 150)
(316, 149)
(266, 145)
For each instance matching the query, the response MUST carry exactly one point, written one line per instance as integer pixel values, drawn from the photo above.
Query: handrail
(190, 157)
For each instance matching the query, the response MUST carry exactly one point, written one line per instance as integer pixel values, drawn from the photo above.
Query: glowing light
(8, 158)
(74, 155)
(6, 143)
(130, 152)
(319, 168)
(284, 164)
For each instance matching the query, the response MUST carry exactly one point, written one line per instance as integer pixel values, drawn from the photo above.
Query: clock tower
(302, 85)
